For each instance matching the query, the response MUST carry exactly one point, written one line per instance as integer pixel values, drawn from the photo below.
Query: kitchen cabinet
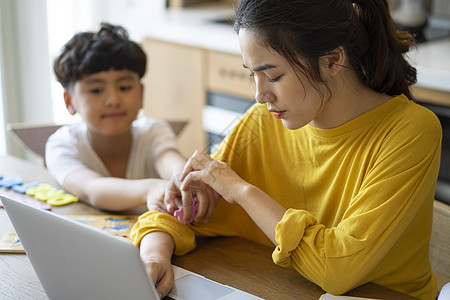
(431, 96)
(178, 79)
(226, 75)
(433, 71)
(174, 89)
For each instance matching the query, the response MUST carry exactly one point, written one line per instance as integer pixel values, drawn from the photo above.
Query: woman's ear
(68, 101)
(333, 62)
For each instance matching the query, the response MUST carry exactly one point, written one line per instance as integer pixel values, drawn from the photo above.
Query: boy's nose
(113, 98)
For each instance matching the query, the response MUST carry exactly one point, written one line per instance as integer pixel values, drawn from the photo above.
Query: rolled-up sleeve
(297, 229)
(153, 221)
(289, 233)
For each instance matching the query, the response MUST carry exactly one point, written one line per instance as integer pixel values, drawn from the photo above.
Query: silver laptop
(76, 261)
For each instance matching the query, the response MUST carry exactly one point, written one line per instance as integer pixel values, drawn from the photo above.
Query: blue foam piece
(10, 182)
(23, 188)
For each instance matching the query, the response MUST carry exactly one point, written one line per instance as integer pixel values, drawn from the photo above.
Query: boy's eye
(125, 88)
(96, 91)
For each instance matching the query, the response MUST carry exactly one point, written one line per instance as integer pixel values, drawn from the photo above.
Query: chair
(440, 243)
(33, 136)
(177, 126)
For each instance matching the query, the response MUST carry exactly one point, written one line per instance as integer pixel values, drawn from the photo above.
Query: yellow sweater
(359, 197)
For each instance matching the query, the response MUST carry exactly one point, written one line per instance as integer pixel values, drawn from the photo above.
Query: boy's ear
(69, 104)
(333, 62)
(142, 95)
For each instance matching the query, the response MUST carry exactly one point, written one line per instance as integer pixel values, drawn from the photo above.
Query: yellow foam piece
(63, 199)
(55, 197)
(36, 189)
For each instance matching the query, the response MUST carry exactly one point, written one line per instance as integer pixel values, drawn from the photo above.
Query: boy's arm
(170, 163)
(112, 193)
(117, 194)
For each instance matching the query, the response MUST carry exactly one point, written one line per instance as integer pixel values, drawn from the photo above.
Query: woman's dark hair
(88, 52)
(309, 29)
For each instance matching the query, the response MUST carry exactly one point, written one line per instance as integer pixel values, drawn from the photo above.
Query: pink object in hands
(179, 212)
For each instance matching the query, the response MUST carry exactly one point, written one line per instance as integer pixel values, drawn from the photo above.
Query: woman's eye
(274, 79)
(268, 78)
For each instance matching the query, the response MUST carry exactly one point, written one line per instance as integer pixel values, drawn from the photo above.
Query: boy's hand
(155, 197)
(206, 196)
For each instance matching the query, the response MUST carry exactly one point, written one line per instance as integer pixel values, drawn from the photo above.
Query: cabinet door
(174, 89)
(226, 75)
(426, 95)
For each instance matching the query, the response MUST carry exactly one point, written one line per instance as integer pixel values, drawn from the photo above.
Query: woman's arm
(157, 234)
(156, 252)
(263, 210)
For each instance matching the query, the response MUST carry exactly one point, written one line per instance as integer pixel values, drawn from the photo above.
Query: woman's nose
(261, 98)
(263, 95)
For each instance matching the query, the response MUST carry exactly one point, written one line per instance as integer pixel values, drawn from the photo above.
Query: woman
(343, 186)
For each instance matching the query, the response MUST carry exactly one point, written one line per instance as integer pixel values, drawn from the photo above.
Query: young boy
(112, 160)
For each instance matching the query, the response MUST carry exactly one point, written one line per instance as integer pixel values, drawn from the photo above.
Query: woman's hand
(201, 168)
(156, 252)
(175, 198)
(263, 209)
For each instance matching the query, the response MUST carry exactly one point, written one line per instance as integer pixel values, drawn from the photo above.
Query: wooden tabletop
(232, 261)
(248, 266)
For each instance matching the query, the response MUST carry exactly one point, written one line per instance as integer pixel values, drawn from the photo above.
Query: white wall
(25, 82)
(2, 121)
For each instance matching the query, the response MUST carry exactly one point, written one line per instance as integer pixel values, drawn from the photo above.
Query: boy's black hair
(89, 52)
